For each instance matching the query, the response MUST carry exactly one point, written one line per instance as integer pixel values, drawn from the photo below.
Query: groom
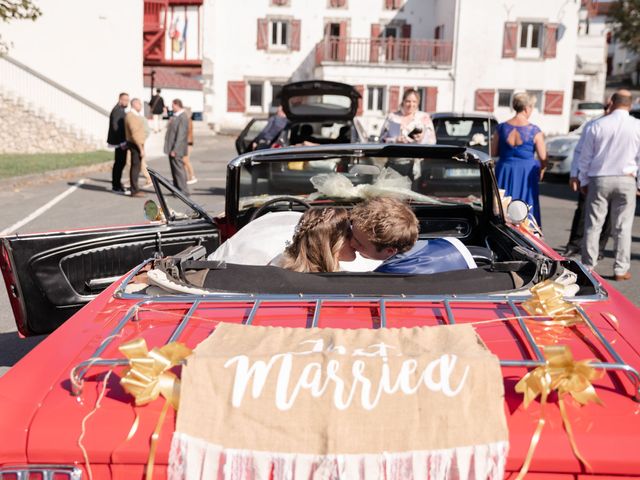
(387, 229)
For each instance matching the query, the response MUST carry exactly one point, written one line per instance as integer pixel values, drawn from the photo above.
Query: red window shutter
(337, 3)
(406, 31)
(360, 90)
(263, 34)
(550, 30)
(432, 98)
(295, 35)
(235, 96)
(342, 42)
(553, 101)
(510, 40)
(388, 4)
(394, 98)
(374, 45)
(485, 100)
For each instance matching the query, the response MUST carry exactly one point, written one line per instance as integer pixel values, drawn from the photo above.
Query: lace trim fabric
(193, 458)
(526, 132)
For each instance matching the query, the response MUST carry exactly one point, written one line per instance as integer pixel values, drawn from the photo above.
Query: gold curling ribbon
(547, 300)
(566, 376)
(148, 377)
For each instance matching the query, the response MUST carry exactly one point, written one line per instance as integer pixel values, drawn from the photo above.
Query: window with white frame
(539, 99)
(504, 98)
(375, 98)
(276, 89)
(256, 96)
(279, 33)
(530, 43)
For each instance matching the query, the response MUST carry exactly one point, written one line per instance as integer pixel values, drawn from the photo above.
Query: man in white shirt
(608, 169)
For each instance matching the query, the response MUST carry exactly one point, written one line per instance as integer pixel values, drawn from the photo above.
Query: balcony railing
(383, 51)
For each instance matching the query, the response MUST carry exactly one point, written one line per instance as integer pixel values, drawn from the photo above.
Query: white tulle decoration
(388, 184)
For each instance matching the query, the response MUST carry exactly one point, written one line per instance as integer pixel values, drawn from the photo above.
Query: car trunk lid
(319, 100)
(604, 434)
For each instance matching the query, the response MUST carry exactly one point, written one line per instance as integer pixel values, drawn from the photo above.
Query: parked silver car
(583, 111)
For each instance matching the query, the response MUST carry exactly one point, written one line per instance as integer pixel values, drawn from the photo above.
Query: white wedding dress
(261, 241)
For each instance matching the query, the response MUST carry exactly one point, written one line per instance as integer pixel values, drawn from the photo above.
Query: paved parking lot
(70, 204)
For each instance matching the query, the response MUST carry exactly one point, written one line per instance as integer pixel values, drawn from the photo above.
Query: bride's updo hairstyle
(318, 238)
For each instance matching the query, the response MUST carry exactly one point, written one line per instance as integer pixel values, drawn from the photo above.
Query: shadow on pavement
(94, 188)
(13, 348)
(208, 191)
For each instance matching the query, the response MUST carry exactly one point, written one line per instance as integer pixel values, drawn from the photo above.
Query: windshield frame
(491, 207)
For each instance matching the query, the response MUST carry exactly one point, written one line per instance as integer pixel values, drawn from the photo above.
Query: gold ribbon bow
(149, 376)
(547, 299)
(566, 376)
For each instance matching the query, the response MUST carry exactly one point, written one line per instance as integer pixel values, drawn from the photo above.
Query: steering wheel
(262, 209)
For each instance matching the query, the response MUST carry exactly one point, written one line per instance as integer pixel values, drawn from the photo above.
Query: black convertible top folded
(275, 280)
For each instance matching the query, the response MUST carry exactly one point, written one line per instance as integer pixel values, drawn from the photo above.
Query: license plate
(461, 172)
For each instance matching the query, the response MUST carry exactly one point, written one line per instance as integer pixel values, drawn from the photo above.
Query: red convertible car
(66, 415)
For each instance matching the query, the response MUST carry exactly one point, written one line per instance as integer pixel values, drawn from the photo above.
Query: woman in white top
(409, 125)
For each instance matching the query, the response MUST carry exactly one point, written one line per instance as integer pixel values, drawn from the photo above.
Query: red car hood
(45, 420)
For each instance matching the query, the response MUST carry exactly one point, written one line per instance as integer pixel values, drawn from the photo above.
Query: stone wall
(23, 130)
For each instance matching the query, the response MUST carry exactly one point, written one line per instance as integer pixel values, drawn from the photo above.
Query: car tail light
(579, 113)
(276, 145)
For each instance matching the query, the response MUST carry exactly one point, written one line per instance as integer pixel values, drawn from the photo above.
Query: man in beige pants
(134, 131)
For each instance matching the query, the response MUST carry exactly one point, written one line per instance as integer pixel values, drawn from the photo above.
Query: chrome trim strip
(383, 313)
(179, 329)
(525, 330)
(253, 312)
(316, 314)
(450, 318)
(48, 471)
(631, 373)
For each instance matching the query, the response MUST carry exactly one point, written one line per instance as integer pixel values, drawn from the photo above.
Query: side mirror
(152, 212)
(362, 169)
(517, 212)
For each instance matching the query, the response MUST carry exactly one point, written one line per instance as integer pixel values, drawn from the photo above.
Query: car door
(50, 276)
(249, 133)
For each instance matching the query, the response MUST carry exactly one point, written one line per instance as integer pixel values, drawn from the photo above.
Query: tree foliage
(16, 10)
(624, 16)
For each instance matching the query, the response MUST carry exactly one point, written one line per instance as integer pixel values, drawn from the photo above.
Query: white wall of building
(591, 57)
(475, 27)
(239, 60)
(92, 48)
(479, 63)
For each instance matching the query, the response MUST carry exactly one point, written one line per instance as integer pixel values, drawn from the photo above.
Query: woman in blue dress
(515, 142)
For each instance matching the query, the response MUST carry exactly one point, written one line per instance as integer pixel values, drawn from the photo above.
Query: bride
(300, 242)
(320, 242)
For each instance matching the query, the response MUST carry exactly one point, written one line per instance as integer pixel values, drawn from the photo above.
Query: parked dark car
(319, 112)
(473, 130)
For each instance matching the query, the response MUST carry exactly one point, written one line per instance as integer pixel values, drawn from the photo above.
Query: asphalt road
(92, 204)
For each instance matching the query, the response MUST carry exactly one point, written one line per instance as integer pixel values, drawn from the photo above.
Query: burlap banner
(263, 402)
